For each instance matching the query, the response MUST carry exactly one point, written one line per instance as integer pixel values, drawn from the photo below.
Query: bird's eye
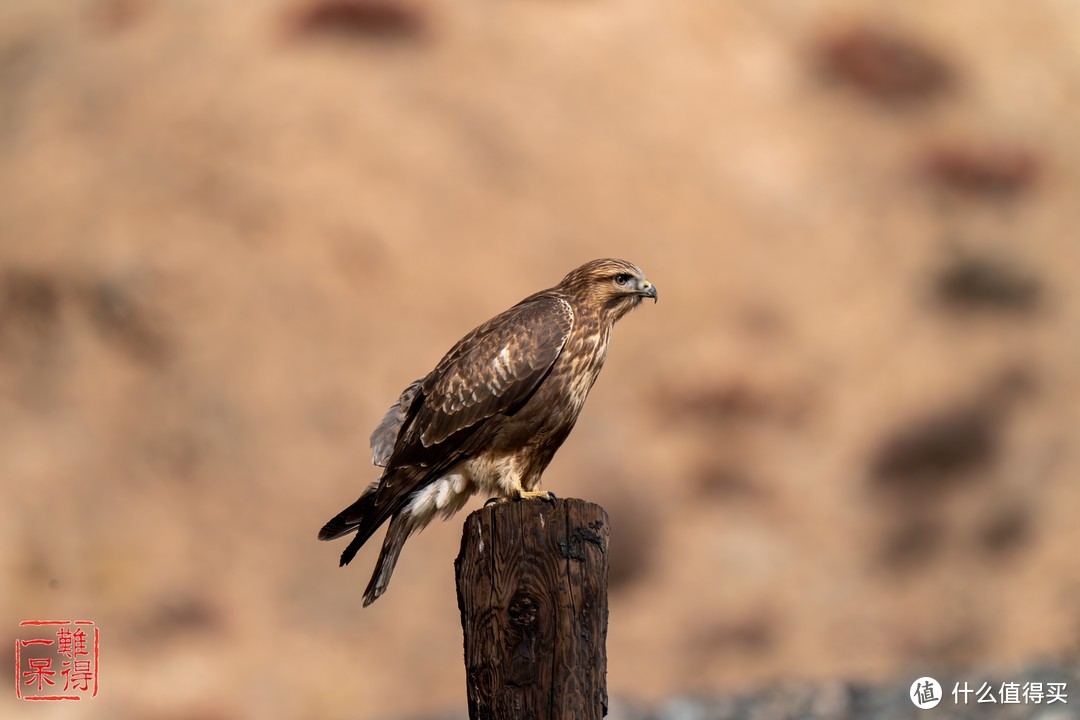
(622, 279)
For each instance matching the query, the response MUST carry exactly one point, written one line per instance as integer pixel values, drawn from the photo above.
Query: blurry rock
(958, 643)
(198, 710)
(913, 542)
(989, 170)
(1012, 384)
(833, 700)
(735, 402)
(30, 311)
(754, 632)
(634, 535)
(178, 451)
(117, 15)
(762, 322)
(359, 19)
(1005, 528)
(954, 445)
(931, 452)
(987, 283)
(722, 481)
(626, 709)
(839, 700)
(125, 321)
(779, 701)
(687, 708)
(182, 614)
(885, 64)
(718, 404)
(29, 301)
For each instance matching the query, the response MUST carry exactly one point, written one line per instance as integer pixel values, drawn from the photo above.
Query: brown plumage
(492, 413)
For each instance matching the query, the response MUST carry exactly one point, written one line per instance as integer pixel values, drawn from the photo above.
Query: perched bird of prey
(492, 413)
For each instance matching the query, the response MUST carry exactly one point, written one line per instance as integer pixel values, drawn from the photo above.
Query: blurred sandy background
(842, 444)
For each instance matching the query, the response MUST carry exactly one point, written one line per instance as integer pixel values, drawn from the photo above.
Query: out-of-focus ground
(842, 445)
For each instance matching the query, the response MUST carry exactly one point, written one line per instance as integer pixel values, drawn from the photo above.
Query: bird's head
(614, 287)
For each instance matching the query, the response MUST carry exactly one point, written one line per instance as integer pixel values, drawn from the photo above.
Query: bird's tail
(396, 535)
(361, 517)
(364, 518)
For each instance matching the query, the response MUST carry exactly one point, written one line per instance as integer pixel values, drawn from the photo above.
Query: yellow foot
(522, 495)
(536, 495)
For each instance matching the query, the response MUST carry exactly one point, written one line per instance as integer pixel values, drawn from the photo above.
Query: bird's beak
(647, 289)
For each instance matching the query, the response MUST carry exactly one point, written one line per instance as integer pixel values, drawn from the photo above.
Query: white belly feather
(496, 477)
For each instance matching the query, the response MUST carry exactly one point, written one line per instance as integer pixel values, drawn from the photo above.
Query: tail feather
(348, 519)
(340, 524)
(396, 535)
(362, 517)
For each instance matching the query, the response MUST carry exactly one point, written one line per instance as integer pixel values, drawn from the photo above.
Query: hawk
(491, 415)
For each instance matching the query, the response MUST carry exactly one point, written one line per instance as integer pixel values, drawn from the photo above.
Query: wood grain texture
(532, 590)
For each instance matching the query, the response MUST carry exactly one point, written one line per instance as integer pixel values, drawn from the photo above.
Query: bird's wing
(494, 369)
(384, 437)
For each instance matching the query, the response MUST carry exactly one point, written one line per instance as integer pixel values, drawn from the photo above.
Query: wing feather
(439, 420)
(492, 370)
(384, 437)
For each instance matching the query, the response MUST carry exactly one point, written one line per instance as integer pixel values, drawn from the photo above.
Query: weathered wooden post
(532, 589)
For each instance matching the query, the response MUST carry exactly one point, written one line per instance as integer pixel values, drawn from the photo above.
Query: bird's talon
(543, 495)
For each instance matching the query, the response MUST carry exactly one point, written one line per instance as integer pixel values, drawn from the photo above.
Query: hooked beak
(647, 289)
